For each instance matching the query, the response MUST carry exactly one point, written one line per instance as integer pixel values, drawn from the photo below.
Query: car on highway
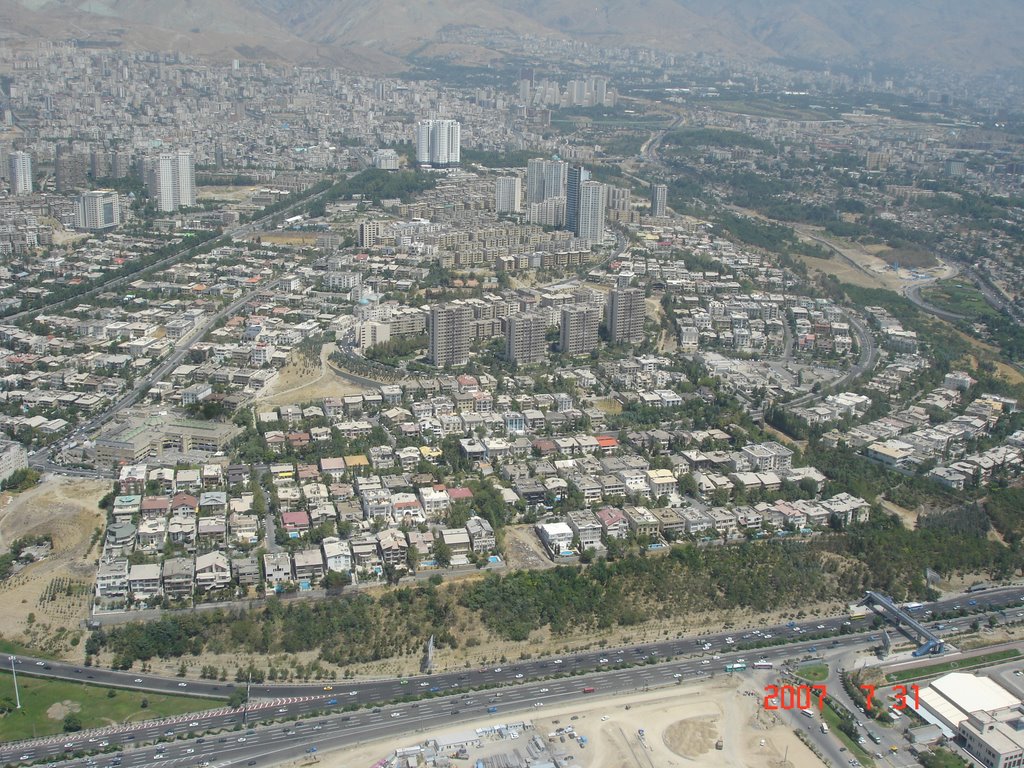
(602, 661)
(404, 682)
(424, 684)
(282, 710)
(40, 663)
(538, 703)
(194, 724)
(543, 690)
(328, 687)
(396, 714)
(519, 676)
(353, 693)
(497, 669)
(241, 739)
(183, 685)
(557, 661)
(332, 701)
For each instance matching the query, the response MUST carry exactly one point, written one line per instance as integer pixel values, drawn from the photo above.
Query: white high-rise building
(173, 180)
(525, 338)
(508, 194)
(439, 143)
(545, 178)
(578, 329)
(590, 226)
(20, 173)
(659, 200)
(98, 210)
(626, 311)
(549, 213)
(451, 328)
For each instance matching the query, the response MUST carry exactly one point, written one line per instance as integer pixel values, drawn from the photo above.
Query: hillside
(376, 34)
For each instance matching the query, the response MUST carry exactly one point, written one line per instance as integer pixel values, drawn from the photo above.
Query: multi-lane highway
(271, 744)
(469, 692)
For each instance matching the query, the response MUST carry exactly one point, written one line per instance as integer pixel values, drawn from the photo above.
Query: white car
(677, 675)
(182, 685)
(538, 704)
(543, 690)
(189, 751)
(706, 661)
(602, 661)
(194, 724)
(40, 664)
(558, 661)
(396, 714)
(137, 680)
(241, 739)
(352, 693)
(519, 676)
(424, 685)
(821, 626)
(497, 669)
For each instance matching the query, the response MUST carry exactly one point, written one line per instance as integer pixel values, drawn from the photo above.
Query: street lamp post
(14, 674)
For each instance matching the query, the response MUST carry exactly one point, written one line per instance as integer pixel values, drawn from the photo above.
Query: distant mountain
(378, 34)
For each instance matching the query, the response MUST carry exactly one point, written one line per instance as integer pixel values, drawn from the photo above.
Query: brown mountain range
(377, 34)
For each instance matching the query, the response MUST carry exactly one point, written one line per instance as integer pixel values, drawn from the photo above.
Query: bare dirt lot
(681, 726)
(301, 382)
(44, 604)
(523, 549)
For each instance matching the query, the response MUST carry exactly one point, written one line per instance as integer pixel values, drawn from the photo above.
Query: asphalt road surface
(519, 684)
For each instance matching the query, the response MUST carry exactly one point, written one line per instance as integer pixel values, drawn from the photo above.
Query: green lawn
(96, 708)
(949, 666)
(960, 297)
(815, 672)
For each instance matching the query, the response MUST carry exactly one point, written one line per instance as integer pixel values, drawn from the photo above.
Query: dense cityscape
(602, 397)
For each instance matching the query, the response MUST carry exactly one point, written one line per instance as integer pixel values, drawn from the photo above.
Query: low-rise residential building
(481, 534)
(641, 521)
(587, 529)
(556, 537)
(144, 581)
(213, 571)
(308, 566)
(112, 578)
(178, 577)
(337, 556)
(277, 568)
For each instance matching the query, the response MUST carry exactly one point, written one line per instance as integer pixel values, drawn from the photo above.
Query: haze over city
(523, 384)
